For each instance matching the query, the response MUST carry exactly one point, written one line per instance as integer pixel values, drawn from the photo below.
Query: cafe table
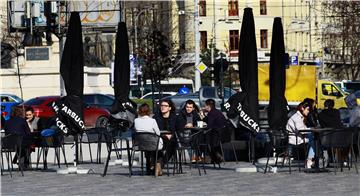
(316, 131)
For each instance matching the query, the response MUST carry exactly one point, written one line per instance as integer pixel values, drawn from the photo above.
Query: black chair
(91, 136)
(339, 139)
(201, 144)
(9, 144)
(184, 142)
(145, 142)
(56, 142)
(279, 144)
(229, 142)
(356, 142)
(111, 136)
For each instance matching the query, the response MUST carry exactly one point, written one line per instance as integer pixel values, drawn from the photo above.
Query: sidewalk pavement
(223, 181)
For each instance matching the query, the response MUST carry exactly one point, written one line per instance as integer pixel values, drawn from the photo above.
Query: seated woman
(296, 123)
(144, 123)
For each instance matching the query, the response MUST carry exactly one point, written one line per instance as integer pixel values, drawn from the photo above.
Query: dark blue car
(7, 101)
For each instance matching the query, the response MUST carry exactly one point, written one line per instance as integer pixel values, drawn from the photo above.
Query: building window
(263, 10)
(264, 38)
(203, 40)
(233, 8)
(202, 8)
(234, 40)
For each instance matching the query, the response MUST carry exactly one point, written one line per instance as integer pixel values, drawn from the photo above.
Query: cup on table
(200, 124)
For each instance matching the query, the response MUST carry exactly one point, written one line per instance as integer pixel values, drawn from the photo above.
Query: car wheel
(102, 121)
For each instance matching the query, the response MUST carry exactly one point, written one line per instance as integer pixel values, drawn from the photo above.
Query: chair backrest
(183, 138)
(11, 142)
(340, 138)
(146, 141)
(278, 138)
(93, 135)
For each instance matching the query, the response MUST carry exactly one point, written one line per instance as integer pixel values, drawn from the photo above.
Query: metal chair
(339, 139)
(56, 142)
(279, 144)
(110, 136)
(145, 142)
(9, 144)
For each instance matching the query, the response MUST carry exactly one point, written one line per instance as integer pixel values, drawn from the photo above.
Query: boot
(158, 171)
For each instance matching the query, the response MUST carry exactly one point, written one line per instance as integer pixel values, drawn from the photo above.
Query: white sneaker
(309, 163)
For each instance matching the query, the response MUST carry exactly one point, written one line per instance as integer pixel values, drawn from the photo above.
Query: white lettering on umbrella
(61, 125)
(64, 108)
(254, 125)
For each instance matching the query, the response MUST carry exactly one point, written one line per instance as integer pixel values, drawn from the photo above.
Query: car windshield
(34, 101)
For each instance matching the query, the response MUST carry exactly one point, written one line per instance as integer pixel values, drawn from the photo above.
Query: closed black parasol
(69, 109)
(277, 113)
(123, 108)
(244, 105)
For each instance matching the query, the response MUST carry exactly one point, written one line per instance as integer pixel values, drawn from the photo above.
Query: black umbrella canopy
(121, 71)
(246, 103)
(277, 113)
(69, 109)
(123, 109)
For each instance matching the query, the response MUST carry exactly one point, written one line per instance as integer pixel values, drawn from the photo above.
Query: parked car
(205, 92)
(157, 95)
(99, 100)
(7, 102)
(93, 116)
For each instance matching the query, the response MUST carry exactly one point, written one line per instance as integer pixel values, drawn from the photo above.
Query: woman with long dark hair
(297, 122)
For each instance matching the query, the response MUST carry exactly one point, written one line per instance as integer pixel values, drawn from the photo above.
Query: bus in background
(167, 85)
(348, 86)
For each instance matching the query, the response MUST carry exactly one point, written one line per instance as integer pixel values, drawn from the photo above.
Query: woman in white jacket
(145, 124)
(296, 123)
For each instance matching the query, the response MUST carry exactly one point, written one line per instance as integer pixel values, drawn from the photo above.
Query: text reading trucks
(301, 83)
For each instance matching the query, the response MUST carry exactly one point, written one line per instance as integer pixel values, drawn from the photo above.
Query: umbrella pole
(76, 143)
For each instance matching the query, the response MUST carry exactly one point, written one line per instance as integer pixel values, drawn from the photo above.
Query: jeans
(311, 153)
(310, 137)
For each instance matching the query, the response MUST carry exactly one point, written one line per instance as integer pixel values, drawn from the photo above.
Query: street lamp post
(136, 46)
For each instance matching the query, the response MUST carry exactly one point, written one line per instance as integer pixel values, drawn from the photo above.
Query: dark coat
(215, 119)
(312, 119)
(330, 118)
(181, 120)
(171, 124)
(17, 125)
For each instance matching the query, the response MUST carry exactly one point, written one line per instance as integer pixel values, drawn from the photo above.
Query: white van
(348, 85)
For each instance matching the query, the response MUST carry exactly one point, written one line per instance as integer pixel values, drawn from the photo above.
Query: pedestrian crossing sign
(201, 67)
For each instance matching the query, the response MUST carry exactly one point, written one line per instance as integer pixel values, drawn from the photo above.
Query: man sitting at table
(296, 123)
(187, 118)
(166, 119)
(215, 120)
(330, 117)
(18, 125)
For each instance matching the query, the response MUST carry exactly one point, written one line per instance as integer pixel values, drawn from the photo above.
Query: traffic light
(50, 12)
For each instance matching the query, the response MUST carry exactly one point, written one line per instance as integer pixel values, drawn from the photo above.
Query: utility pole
(213, 44)
(197, 45)
(310, 48)
(61, 46)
